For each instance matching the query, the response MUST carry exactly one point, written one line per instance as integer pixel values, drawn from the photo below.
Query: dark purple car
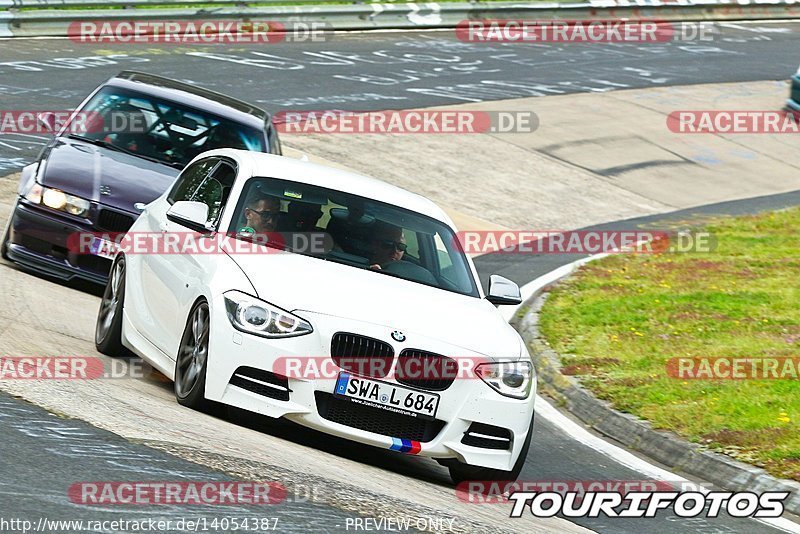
(137, 131)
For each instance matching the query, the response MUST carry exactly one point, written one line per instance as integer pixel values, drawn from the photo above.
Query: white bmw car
(381, 333)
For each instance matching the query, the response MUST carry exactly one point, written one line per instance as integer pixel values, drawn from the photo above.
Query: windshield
(359, 232)
(161, 130)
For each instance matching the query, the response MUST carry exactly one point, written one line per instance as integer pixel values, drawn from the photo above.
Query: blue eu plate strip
(341, 383)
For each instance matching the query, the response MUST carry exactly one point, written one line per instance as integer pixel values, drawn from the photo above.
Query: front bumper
(38, 240)
(466, 401)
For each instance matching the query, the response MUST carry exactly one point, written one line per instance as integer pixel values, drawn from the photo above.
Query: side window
(190, 180)
(453, 271)
(208, 181)
(412, 244)
(219, 187)
(443, 254)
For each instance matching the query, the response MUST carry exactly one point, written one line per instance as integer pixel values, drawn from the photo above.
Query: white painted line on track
(9, 146)
(580, 434)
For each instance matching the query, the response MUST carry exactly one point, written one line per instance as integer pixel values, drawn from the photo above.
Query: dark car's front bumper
(38, 240)
(794, 94)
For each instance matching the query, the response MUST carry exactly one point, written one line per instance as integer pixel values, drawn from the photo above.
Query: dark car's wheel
(461, 472)
(190, 366)
(108, 331)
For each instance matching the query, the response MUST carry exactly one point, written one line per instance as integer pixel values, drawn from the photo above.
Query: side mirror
(503, 291)
(47, 120)
(191, 214)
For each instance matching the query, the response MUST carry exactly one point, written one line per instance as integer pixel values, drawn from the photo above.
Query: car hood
(106, 176)
(299, 283)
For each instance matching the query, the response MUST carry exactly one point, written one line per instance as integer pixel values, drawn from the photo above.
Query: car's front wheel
(108, 331)
(190, 365)
(461, 472)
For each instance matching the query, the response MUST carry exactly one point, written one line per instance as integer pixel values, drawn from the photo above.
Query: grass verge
(619, 321)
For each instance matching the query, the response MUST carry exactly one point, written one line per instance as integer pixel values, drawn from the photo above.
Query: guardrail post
(5, 24)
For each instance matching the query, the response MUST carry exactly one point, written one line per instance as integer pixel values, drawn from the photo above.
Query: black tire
(192, 360)
(108, 330)
(461, 472)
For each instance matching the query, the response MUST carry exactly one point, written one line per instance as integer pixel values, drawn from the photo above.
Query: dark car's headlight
(58, 200)
(512, 379)
(255, 316)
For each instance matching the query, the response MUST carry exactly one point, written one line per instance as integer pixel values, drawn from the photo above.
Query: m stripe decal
(406, 446)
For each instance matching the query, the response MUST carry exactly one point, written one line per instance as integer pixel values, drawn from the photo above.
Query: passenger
(388, 245)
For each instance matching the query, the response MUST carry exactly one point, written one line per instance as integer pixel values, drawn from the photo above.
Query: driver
(261, 214)
(388, 245)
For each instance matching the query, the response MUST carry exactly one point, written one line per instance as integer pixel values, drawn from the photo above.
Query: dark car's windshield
(359, 232)
(160, 129)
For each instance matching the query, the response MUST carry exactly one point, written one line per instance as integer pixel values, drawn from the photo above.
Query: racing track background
(602, 154)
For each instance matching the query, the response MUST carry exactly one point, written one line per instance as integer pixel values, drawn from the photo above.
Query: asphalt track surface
(380, 71)
(73, 450)
(394, 70)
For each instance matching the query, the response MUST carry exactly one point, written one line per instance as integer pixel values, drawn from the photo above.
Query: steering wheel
(410, 271)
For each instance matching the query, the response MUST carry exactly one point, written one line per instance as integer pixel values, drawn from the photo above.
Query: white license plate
(389, 397)
(103, 248)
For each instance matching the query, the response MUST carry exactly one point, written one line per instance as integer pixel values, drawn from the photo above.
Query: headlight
(53, 198)
(255, 316)
(512, 379)
(58, 200)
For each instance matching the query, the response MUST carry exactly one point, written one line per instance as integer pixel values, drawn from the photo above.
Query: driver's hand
(375, 266)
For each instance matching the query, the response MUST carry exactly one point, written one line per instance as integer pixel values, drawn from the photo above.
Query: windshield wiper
(112, 146)
(93, 141)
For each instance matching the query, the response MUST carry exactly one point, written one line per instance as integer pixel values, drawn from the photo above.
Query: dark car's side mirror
(503, 291)
(191, 214)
